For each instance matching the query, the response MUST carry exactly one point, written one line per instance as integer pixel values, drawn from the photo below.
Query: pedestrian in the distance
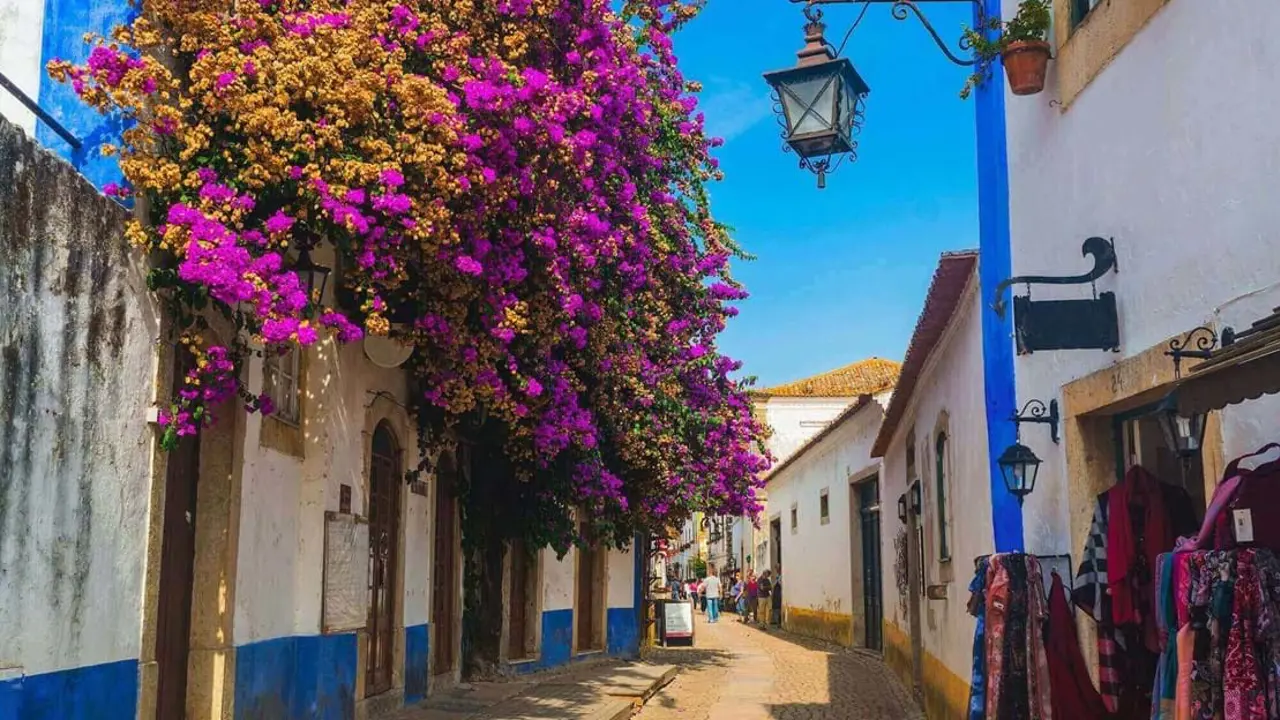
(711, 594)
(691, 588)
(777, 597)
(739, 595)
(751, 590)
(702, 593)
(766, 598)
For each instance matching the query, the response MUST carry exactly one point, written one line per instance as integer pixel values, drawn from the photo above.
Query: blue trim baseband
(102, 692)
(417, 652)
(994, 266)
(310, 676)
(623, 635)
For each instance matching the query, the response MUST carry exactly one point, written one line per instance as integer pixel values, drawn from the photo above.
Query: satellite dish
(386, 352)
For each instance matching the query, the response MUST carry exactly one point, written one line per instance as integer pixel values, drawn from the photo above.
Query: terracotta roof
(864, 377)
(861, 402)
(945, 293)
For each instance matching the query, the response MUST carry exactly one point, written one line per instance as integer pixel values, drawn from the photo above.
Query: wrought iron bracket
(901, 10)
(1035, 411)
(1205, 340)
(1103, 251)
(40, 112)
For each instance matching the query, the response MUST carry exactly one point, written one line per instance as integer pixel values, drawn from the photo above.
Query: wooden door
(384, 537)
(519, 604)
(445, 576)
(587, 609)
(177, 565)
(872, 602)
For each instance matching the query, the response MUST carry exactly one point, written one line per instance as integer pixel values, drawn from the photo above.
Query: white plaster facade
(1172, 149)
(794, 420)
(21, 30)
(821, 557)
(947, 399)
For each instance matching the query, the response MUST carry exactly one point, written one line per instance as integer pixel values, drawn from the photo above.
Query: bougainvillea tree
(516, 187)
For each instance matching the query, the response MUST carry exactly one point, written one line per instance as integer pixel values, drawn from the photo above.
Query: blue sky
(840, 273)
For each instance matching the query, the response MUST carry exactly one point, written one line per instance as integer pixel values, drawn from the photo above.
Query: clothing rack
(1048, 563)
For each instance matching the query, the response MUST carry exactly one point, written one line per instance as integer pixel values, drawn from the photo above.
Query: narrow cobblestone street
(744, 673)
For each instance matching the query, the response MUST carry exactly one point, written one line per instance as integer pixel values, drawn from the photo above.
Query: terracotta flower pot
(1025, 62)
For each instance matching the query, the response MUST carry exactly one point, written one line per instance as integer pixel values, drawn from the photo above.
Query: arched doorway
(384, 535)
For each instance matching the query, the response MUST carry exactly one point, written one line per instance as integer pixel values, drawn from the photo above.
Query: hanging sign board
(678, 620)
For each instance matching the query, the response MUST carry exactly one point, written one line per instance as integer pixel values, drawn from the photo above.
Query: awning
(1245, 368)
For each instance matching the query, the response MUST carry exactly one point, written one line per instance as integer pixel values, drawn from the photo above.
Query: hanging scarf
(1038, 688)
(1072, 692)
(1132, 553)
(977, 608)
(997, 619)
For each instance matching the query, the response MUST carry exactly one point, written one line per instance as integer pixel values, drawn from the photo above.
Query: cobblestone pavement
(743, 673)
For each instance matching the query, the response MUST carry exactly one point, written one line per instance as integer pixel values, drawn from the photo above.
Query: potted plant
(1021, 42)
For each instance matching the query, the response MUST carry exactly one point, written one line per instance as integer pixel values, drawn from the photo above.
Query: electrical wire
(848, 34)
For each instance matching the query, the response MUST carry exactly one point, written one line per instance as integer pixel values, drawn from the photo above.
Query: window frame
(282, 382)
(824, 506)
(795, 518)
(941, 496)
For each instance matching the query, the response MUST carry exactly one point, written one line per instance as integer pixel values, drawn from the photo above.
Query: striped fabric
(1090, 594)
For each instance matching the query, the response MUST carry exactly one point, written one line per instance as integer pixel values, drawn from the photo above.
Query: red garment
(1072, 692)
(1131, 555)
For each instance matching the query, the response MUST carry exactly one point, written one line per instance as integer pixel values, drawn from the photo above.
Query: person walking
(702, 593)
(766, 598)
(751, 590)
(739, 600)
(691, 589)
(777, 597)
(711, 594)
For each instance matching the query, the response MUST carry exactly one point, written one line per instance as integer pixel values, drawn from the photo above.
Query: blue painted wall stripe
(994, 266)
(291, 678)
(417, 652)
(65, 23)
(103, 692)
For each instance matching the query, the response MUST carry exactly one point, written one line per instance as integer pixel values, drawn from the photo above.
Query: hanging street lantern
(1183, 434)
(1019, 466)
(313, 277)
(819, 102)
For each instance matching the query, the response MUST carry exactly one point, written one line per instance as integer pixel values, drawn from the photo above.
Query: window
(944, 527)
(281, 374)
(795, 517)
(824, 506)
(1081, 8)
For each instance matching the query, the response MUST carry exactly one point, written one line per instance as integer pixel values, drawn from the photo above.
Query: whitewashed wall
(21, 24)
(622, 576)
(1173, 150)
(78, 333)
(949, 394)
(817, 567)
(281, 561)
(795, 420)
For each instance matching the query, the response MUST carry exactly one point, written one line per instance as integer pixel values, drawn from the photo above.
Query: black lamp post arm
(900, 11)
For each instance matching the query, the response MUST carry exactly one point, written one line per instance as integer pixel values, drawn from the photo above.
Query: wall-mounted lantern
(902, 508)
(1089, 324)
(1183, 434)
(313, 277)
(917, 500)
(1035, 411)
(819, 101)
(1019, 466)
